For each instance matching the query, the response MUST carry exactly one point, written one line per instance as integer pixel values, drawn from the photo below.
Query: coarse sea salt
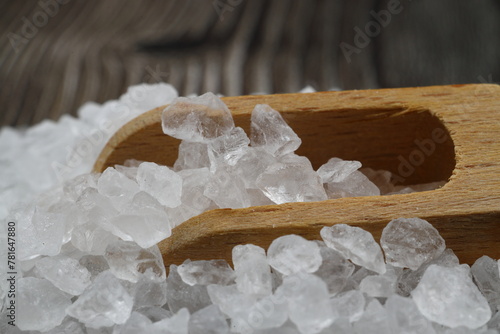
(88, 260)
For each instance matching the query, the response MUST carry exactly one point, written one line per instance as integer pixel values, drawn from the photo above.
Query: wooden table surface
(57, 54)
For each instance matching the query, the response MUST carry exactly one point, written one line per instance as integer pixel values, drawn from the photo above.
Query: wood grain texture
(377, 127)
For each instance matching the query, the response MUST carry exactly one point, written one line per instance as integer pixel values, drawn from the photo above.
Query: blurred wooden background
(57, 54)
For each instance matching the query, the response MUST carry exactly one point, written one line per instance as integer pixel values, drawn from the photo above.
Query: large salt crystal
(487, 277)
(208, 320)
(105, 303)
(253, 274)
(356, 245)
(181, 295)
(91, 238)
(149, 290)
(409, 242)
(66, 273)
(349, 304)
(227, 190)
(41, 305)
(128, 261)
(144, 221)
(308, 302)
(380, 285)
(192, 155)
(374, 319)
(293, 254)
(160, 182)
(69, 325)
(342, 179)
(197, 119)
(270, 132)
(228, 148)
(149, 96)
(291, 179)
(117, 187)
(334, 270)
(250, 165)
(447, 296)
(404, 316)
(206, 272)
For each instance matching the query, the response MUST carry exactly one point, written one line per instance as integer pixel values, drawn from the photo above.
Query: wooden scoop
(420, 134)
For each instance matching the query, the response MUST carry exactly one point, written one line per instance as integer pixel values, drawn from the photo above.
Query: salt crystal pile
(88, 261)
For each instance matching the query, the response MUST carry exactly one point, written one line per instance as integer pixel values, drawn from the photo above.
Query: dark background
(54, 57)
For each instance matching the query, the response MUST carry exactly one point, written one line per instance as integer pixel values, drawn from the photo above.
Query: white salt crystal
(308, 302)
(137, 323)
(409, 242)
(487, 278)
(117, 187)
(448, 297)
(270, 132)
(177, 324)
(356, 245)
(292, 179)
(253, 163)
(103, 304)
(226, 190)
(206, 272)
(349, 304)
(144, 221)
(381, 178)
(380, 285)
(91, 238)
(149, 96)
(192, 155)
(229, 148)
(94, 264)
(334, 270)
(374, 319)
(128, 261)
(180, 294)
(160, 182)
(65, 273)
(197, 119)
(342, 179)
(253, 274)
(405, 317)
(207, 321)
(69, 325)
(41, 306)
(292, 254)
(149, 290)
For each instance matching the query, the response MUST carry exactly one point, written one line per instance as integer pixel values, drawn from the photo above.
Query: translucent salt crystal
(253, 274)
(229, 148)
(65, 273)
(94, 264)
(292, 254)
(75, 187)
(342, 179)
(155, 313)
(287, 328)
(68, 325)
(149, 96)
(334, 270)
(148, 291)
(197, 119)
(292, 179)
(160, 182)
(447, 296)
(41, 306)
(257, 198)
(226, 190)
(176, 324)
(117, 187)
(487, 278)
(206, 272)
(356, 245)
(91, 238)
(349, 304)
(308, 302)
(245, 311)
(137, 323)
(270, 132)
(409, 279)
(409, 242)
(253, 163)
(207, 321)
(144, 221)
(181, 295)
(405, 317)
(381, 178)
(39, 232)
(103, 304)
(374, 319)
(192, 155)
(128, 261)
(380, 285)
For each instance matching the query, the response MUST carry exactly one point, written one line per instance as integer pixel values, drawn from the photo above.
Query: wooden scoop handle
(420, 134)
